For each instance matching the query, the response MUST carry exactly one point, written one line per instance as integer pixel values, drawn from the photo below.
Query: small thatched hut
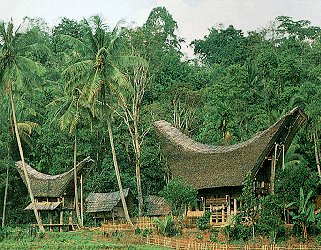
(156, 206)
(218, 172)
(108, 206)
(55, 194)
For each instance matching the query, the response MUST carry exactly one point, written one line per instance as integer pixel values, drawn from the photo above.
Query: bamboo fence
(182, 244)
(120, 226)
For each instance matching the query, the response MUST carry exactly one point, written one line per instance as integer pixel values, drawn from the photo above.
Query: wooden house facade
(55, 194)
(108, 206)
(219, 172)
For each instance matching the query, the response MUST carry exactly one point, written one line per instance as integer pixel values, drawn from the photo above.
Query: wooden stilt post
(61, 221)
(235, 206)
(70, 220)
(81, 201)
(273, 164)
(228, 208)
(223, 213)
(50, 221)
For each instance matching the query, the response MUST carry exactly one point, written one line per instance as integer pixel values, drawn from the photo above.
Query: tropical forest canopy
(71, 78)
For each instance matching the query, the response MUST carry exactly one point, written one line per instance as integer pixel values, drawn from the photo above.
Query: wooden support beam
(50, 220)
(228, 208)
(70, 220)
(61, 220)
(273, 165)
(235, 206)
(223, 213)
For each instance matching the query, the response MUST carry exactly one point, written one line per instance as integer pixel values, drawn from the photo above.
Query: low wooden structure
(219, 172)
(55, 194)
(156, 206)
(108, 206)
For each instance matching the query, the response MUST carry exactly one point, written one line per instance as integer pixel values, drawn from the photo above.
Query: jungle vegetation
(83, 88)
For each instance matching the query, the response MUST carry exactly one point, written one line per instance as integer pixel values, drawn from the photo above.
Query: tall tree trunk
(121, 192)
(316, 153)
(75, 182)
(138, 175)
(35, 210)
(5, 195)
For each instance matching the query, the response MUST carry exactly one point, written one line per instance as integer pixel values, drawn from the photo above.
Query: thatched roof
(208, 166)
(44, 185)
(104, 202)
(156, 206)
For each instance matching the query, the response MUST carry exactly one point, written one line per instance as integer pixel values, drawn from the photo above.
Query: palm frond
(29, 66)
(37, 48)
(27, 126)
(75, 43)
(78, 71)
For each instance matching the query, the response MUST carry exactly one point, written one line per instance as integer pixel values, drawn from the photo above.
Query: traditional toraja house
(55, 194)
(219, 172)
(108, 206)
(156, 206)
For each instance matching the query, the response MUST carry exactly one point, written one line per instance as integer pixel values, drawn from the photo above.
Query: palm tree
(68, 115)
(15, 71)
(69, 109)
(100, 75)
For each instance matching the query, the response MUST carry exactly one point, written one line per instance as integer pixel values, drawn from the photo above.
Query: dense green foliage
(179, 196)
(238, 84)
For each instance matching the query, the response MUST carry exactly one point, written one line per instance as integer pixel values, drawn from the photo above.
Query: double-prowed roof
(208, 166)
(44, 185)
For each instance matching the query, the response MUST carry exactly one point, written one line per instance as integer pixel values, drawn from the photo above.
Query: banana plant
(305, 215)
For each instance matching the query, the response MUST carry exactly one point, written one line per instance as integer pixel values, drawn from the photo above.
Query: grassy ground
(84, 239)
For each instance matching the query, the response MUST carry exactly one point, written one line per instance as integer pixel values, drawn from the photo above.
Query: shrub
(213, 238)
(200, 236)
(203, 222)
(178, 194)
(137, 231)
(241, 232)
(270, 222)
(166, 226)
(146, 232)
(318, 239)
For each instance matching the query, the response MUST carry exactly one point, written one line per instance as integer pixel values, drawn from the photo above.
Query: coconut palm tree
(101, 77)
(15, 71)
(69, 108)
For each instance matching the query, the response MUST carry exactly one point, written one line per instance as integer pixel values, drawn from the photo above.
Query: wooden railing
(195, 214)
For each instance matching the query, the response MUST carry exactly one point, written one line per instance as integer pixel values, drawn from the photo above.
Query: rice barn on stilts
(55, 194)
(219, 172)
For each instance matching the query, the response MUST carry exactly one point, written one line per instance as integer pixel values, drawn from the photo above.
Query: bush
(200, 236)
(166, 226)
(241, 232)
(318, 239)
(146, 232)
(213, 238)
(138, 231)
(203, 222)
(179, 194)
